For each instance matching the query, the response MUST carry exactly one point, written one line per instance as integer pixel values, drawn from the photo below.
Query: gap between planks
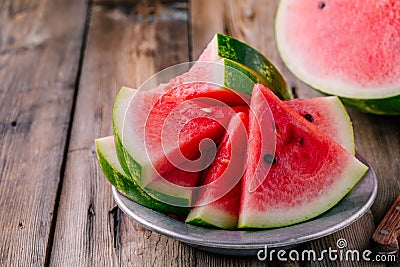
(65, 153)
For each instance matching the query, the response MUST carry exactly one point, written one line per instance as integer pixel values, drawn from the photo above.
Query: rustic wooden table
(61, 64)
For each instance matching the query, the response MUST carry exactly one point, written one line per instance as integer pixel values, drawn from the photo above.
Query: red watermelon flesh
(174, 131)
(193, 90)
(346, 48)
(309, 173)
(329, 115)
(203, 80)
(218, 202)
(140, 114)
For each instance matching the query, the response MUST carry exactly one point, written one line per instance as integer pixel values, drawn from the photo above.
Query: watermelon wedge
(309, 173)
(159, 138)
(226, 47)
(218, 202)
(111, 167)
(329, 115)
(160, 189)
(344, 48)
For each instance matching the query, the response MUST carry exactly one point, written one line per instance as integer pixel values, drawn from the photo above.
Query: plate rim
(118, 197)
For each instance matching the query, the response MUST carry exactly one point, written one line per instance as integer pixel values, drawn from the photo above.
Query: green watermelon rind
(387, 105)
(235, 50)
(124, 92)
(382, 106)
(234, 81)
(202, 223)
(124, 184)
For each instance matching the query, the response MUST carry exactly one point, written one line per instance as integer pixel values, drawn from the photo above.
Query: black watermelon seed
(309, 117)
(269, 159)
(301, 141)
(321, 5)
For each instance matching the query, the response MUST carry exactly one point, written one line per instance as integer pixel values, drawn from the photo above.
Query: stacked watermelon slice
(216, 146)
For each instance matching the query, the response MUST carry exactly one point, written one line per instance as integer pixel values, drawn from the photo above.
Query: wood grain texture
(40, 45)
(205, 21)
(378, 140)
(125, 46)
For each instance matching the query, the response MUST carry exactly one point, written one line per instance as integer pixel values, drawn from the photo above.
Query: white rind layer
(345, 136)
(107, 147)
(127, 119)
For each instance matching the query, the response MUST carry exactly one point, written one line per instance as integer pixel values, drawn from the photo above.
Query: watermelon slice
(226, 47)
(218, 202)
(329, 115)
(309, 173)
(326, 113)
(160, 189)
(111, 167)
(160, 138)
(344, 48)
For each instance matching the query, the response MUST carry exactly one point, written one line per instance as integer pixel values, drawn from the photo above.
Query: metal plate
(240, 242)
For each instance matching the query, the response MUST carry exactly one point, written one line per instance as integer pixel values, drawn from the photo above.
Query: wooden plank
(377, 140)
(125, 46)
(40, 45)
(206, 20)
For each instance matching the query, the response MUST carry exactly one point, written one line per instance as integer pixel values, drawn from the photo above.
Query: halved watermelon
(226, 47)
(344, 48)
(112, 169)
(309, 173)
(152, 133)
(218, 202)
(329, 115)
